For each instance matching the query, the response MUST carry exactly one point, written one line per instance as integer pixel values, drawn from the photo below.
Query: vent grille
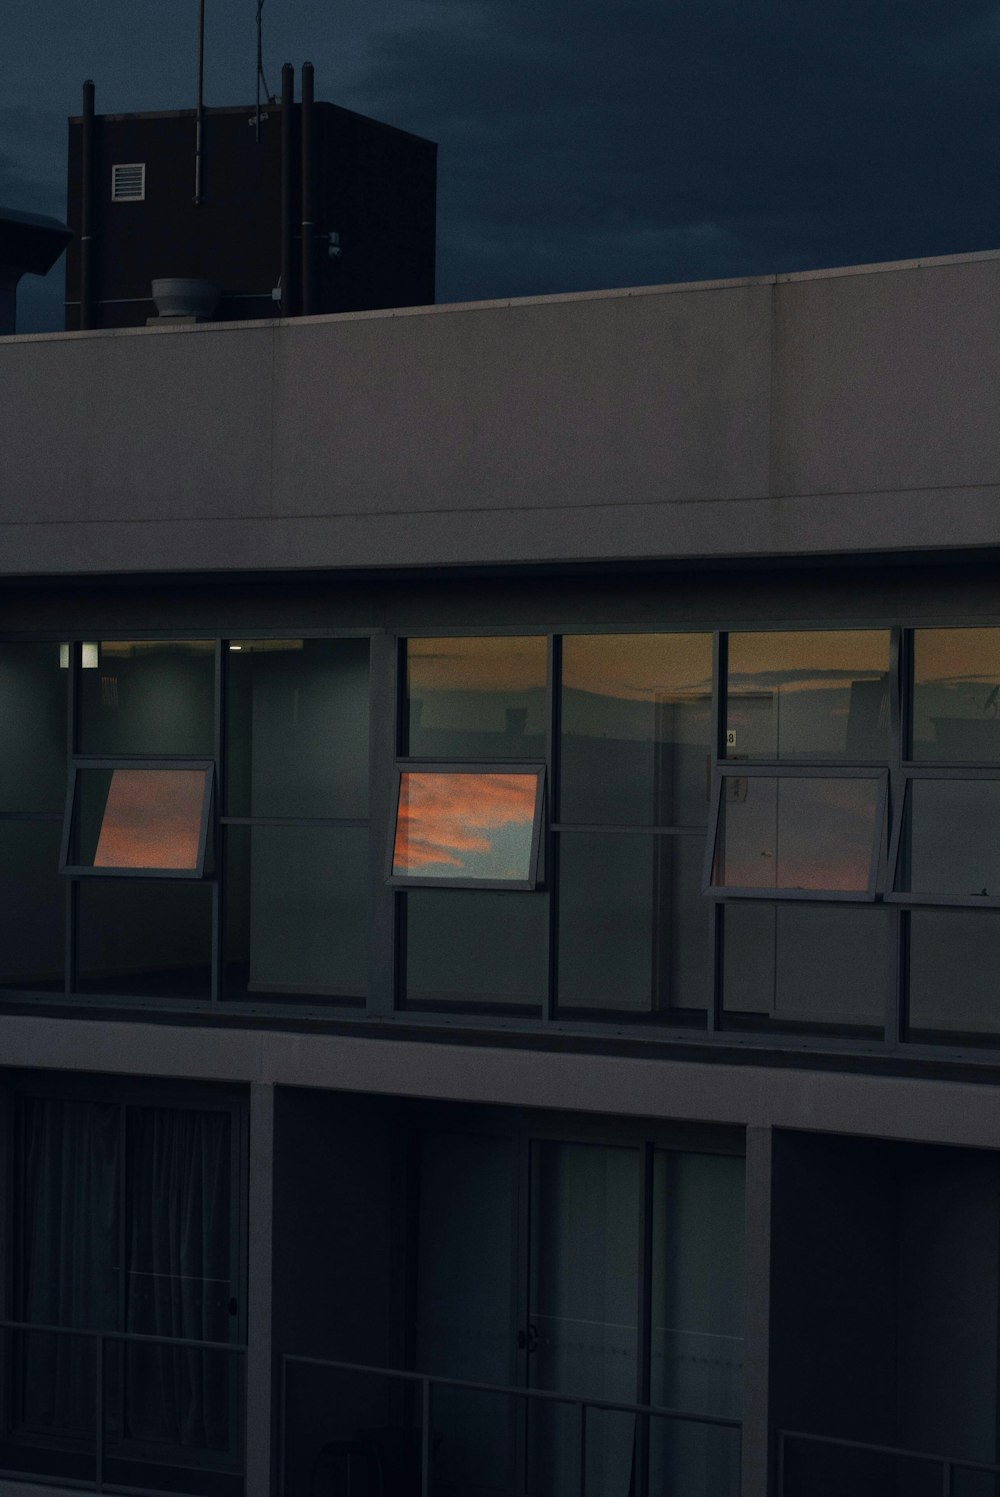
(128, 182)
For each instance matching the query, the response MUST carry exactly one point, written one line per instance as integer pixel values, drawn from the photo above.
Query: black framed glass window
(296, 912)
(813, 695)
(797, 833)
(149, 697)
(634, 775)
(955, 690)
(633, 924)
(635, 729)
(467, 823)
(472, 826)
(138, 819)
(295, 828)
(476, 698)
(297, 728)
(945, 847)
(953, 958)
(475, 948)
(806, 966)
(33, 721)
(32, 906)
(143, 938)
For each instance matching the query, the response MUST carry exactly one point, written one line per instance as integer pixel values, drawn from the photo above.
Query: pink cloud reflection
(443, 816)
(152, 819)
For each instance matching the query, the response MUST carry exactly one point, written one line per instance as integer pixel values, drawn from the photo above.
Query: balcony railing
(811, 1464)
(574, 1452)
(55, 1451)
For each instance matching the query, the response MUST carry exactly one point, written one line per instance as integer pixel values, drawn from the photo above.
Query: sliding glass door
(582, 1313)
(604, 1270)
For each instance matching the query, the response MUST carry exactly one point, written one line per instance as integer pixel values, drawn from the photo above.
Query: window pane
(807, 964)
(297, 727)
(296, 912)
(466, 826)
(144, 938)
(636, 741)
(956, 688)
(139, 818)
(33, 707)
(697, 1330)
(949, 843)
(476, 946)
(149, 697)
(822, 694)
(633, 924)
(32, 905)
(796, 833)
(954, 962)
(476, 698)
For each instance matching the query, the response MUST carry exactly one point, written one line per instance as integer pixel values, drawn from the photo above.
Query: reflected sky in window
(465, 825)
(956, 694)
(814, 694)
(152, 819)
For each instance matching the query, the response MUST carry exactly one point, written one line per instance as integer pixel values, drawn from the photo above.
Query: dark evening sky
(582, 144)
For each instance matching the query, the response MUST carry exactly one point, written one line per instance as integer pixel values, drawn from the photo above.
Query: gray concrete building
(500, 897)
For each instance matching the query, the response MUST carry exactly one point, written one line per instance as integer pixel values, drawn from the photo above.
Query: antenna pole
(260, 65)
(199, 128)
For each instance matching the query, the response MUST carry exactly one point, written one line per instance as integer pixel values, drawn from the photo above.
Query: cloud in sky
(588, 145)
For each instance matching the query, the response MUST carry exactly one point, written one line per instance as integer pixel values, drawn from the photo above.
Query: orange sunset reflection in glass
(152, 819)
(465, 826)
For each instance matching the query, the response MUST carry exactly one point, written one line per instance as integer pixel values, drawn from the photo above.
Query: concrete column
(261, 1445)
(757, 1452)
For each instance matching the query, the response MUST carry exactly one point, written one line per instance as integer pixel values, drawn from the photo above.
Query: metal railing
(427, 1382)
(949, 1465)
(101, 1340)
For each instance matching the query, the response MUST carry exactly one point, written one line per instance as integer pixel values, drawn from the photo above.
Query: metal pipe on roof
(288, 276)
(199, 125)
(308, 192)
(87, 208)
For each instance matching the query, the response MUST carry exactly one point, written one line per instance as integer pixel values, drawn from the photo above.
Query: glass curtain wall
(247, 762)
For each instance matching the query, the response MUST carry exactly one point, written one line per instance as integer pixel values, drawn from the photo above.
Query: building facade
(498, 988)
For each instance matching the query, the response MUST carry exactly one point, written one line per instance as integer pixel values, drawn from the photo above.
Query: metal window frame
(784, 771)
(415, 881)
(909, 897)
(81, 763)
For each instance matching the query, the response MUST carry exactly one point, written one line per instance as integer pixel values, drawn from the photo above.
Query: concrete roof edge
(622, 293)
